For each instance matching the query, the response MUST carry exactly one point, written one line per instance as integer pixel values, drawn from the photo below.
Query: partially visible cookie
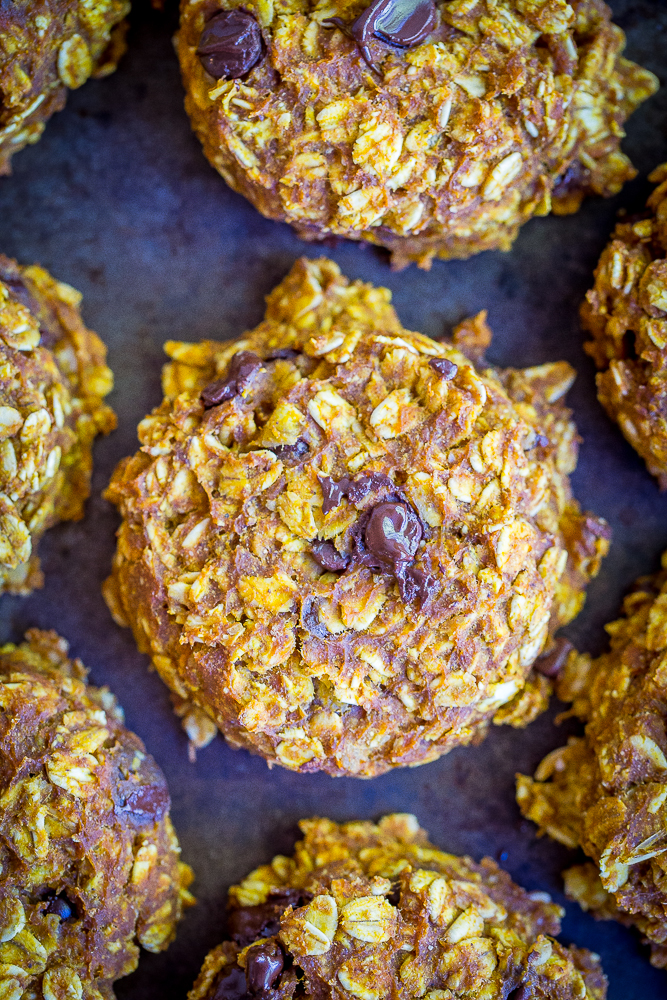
(373, 912)
(626, 314)
(53, 380)
(345, 544)
(89, 861)
(435, 129)
(46, 48)
(607, 791)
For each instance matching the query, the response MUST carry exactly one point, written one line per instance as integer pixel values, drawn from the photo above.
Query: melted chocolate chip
(142, 793)
(240, 370)
(400, 23)
(394, 897)
(414, 585)
(229, 985)
(393, 534)
(552, 663)
(310, 620)
(230, 44)
(248, 923)
(264, 963)
(62, 907)
(356, 490)
(328, 557)
(333, 491)
(444, 367)
(290, 452)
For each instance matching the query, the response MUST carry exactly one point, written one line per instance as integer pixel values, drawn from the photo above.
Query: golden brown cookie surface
(90, 861)
(367, 912)
(626, 313)
(343, 543)
(606, 792)
(46, 47)
(53, 379)
(508, 109)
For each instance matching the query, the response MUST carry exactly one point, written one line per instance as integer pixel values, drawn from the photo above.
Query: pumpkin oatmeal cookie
(626, 314)
(373, 912)
(89, 859)
(345, 544)
(606, 792)
(53, 379)
(435, 129)
(46, 48)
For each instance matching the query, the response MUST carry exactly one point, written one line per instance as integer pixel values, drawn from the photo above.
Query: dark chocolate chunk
(393, 534)
(552, 663)
(290, 452)
(240, 370)
(413, 584)
(63, 908)
(444, 367)
(394, 897)
(263, 965)
(328, 557)
(400, 23)
(230, 44)
(333, 491)
(230, 984)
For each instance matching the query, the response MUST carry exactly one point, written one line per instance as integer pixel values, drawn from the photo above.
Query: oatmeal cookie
(432, 128)
(343, 543)
(606, 792)
(46, 47)
(53, 379)
(626, 314)
(89, 859)
(373, 912)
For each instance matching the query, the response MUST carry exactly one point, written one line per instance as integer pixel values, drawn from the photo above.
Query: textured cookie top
(626, 313)
(607, 792)
(371, 911)
(343, 541)
(53, 378)
(89, 860)
(47, 46)
(506, 109)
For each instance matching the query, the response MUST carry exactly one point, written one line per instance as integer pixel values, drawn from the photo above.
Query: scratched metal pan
(118, 200)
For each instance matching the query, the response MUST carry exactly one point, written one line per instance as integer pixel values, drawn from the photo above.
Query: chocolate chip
(394, 897)
(62, 907)
(328, 557)
(310, 620)
(541, 441)
(333, 491)
(552, 663)
(444, 367)
(393, 534)
(401, 23)
(413, 584)
(371, 482)
(141, 789)
(248, 923)
(229, 985)
(230, 44)
(290, 452)
(263, 965)
(240, 370)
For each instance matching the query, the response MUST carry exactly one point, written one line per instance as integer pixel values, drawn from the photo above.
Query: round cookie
(368, 912)
(89, 859)
(46, 47)
(626, 314)
(343, 543)
(435, 129)
(53, 379)
(605, 792)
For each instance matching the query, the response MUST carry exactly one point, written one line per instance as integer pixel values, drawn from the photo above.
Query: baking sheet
(118, 200)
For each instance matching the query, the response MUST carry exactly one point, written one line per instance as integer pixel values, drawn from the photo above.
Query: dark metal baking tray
(118, 200)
